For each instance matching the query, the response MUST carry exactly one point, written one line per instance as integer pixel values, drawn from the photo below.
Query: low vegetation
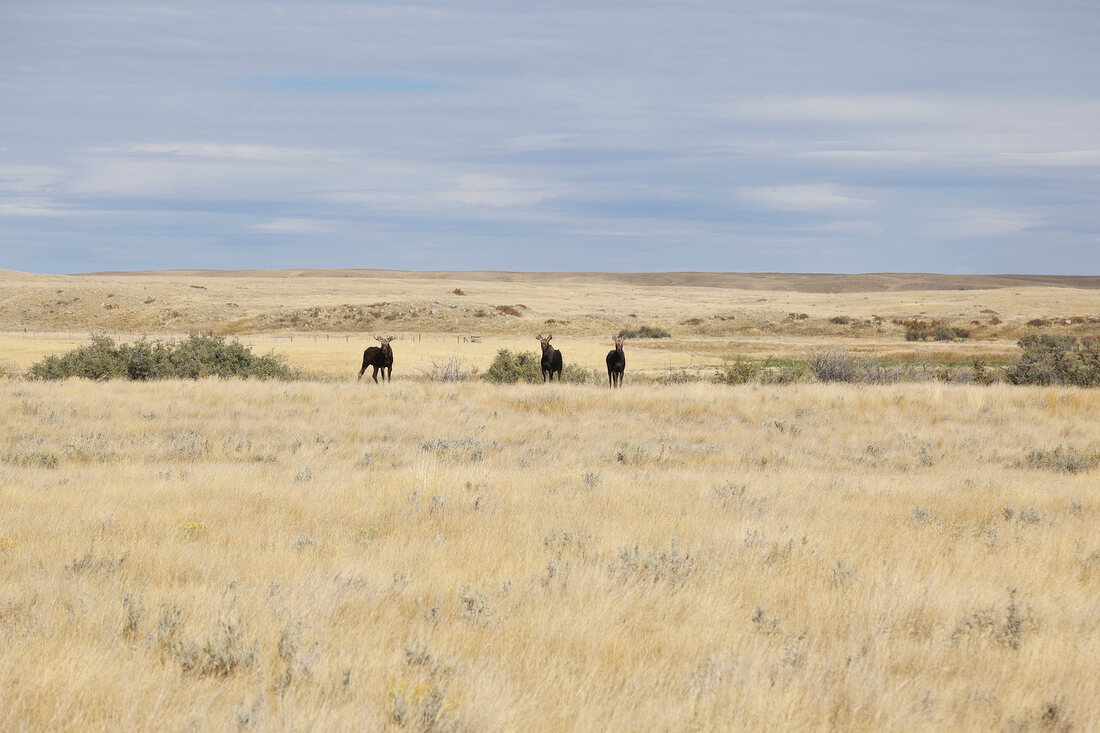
(644, 332)
(246, 555)
(191, 358)
(1050, 359)
(509, 367)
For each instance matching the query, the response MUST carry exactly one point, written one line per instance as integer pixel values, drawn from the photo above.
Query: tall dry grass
(230, 555)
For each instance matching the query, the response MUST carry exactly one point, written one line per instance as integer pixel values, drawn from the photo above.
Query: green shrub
(780, 371)
(738, 372)
(943, 333)
(524, 366)
(194, 357)
(1051, 359)
(509, 368)
(644, 332)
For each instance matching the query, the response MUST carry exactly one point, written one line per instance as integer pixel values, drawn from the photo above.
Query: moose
(551, 359)
(616, 364)
(379, 357)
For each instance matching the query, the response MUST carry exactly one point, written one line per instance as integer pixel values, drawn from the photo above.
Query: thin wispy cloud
(699, 135)
(293, 226)
(805, 197)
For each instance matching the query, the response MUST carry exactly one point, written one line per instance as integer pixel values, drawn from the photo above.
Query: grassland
(291, 556)
(326, 555)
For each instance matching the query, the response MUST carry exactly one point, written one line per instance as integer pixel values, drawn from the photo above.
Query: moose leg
(374, 374)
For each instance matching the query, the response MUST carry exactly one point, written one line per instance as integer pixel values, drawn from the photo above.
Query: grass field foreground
(225, 555)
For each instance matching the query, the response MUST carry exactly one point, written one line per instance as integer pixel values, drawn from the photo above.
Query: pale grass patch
(479, 557)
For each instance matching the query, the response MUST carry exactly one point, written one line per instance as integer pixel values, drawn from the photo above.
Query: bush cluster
(644, 332)
(769, 371)
(1051, 359)
(918, 330)
(194, 357)
(835, 365)
(523, 366)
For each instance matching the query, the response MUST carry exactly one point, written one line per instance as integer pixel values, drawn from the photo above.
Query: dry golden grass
(338, 556)
(232, 555)
(592, 305)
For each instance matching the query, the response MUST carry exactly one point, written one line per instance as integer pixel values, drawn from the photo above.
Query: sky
(784, 136)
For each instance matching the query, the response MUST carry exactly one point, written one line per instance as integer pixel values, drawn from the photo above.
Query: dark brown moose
(379, 357)
(551, 359)
(616, 364)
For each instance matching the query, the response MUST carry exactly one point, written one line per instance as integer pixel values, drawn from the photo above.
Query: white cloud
(879, 156)
(492, 190)
(804, 197)
(839, 109)
(214, 151)
(528, 143)
(1056, 158)
(34, 209)
(851, 227)
(293, 226)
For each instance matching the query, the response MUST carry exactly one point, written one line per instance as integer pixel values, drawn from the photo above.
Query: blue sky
(849, 136)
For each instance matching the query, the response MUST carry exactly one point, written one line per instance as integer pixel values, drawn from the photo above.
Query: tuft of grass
(453, 369)
(1062, 460)
(193, 529)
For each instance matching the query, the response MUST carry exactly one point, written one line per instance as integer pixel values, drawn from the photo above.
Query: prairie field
(331, 555)
(218, 555)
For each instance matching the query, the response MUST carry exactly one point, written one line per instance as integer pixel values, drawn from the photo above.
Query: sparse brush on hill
(919, 330)
(644, 332)
(194, 357)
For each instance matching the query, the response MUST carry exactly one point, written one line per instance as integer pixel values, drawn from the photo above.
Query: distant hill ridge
(772, 281)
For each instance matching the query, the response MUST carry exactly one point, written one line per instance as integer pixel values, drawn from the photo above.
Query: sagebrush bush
(1063, 459)
(738, 372)
(524, 366)
(510, 367)
(194, 357)
(453, 369)
(1050, 359)
(644, 332)
(834, 365)
(782, 371)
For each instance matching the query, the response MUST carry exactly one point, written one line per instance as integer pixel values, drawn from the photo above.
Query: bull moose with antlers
(379, 357)
(551, 359)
